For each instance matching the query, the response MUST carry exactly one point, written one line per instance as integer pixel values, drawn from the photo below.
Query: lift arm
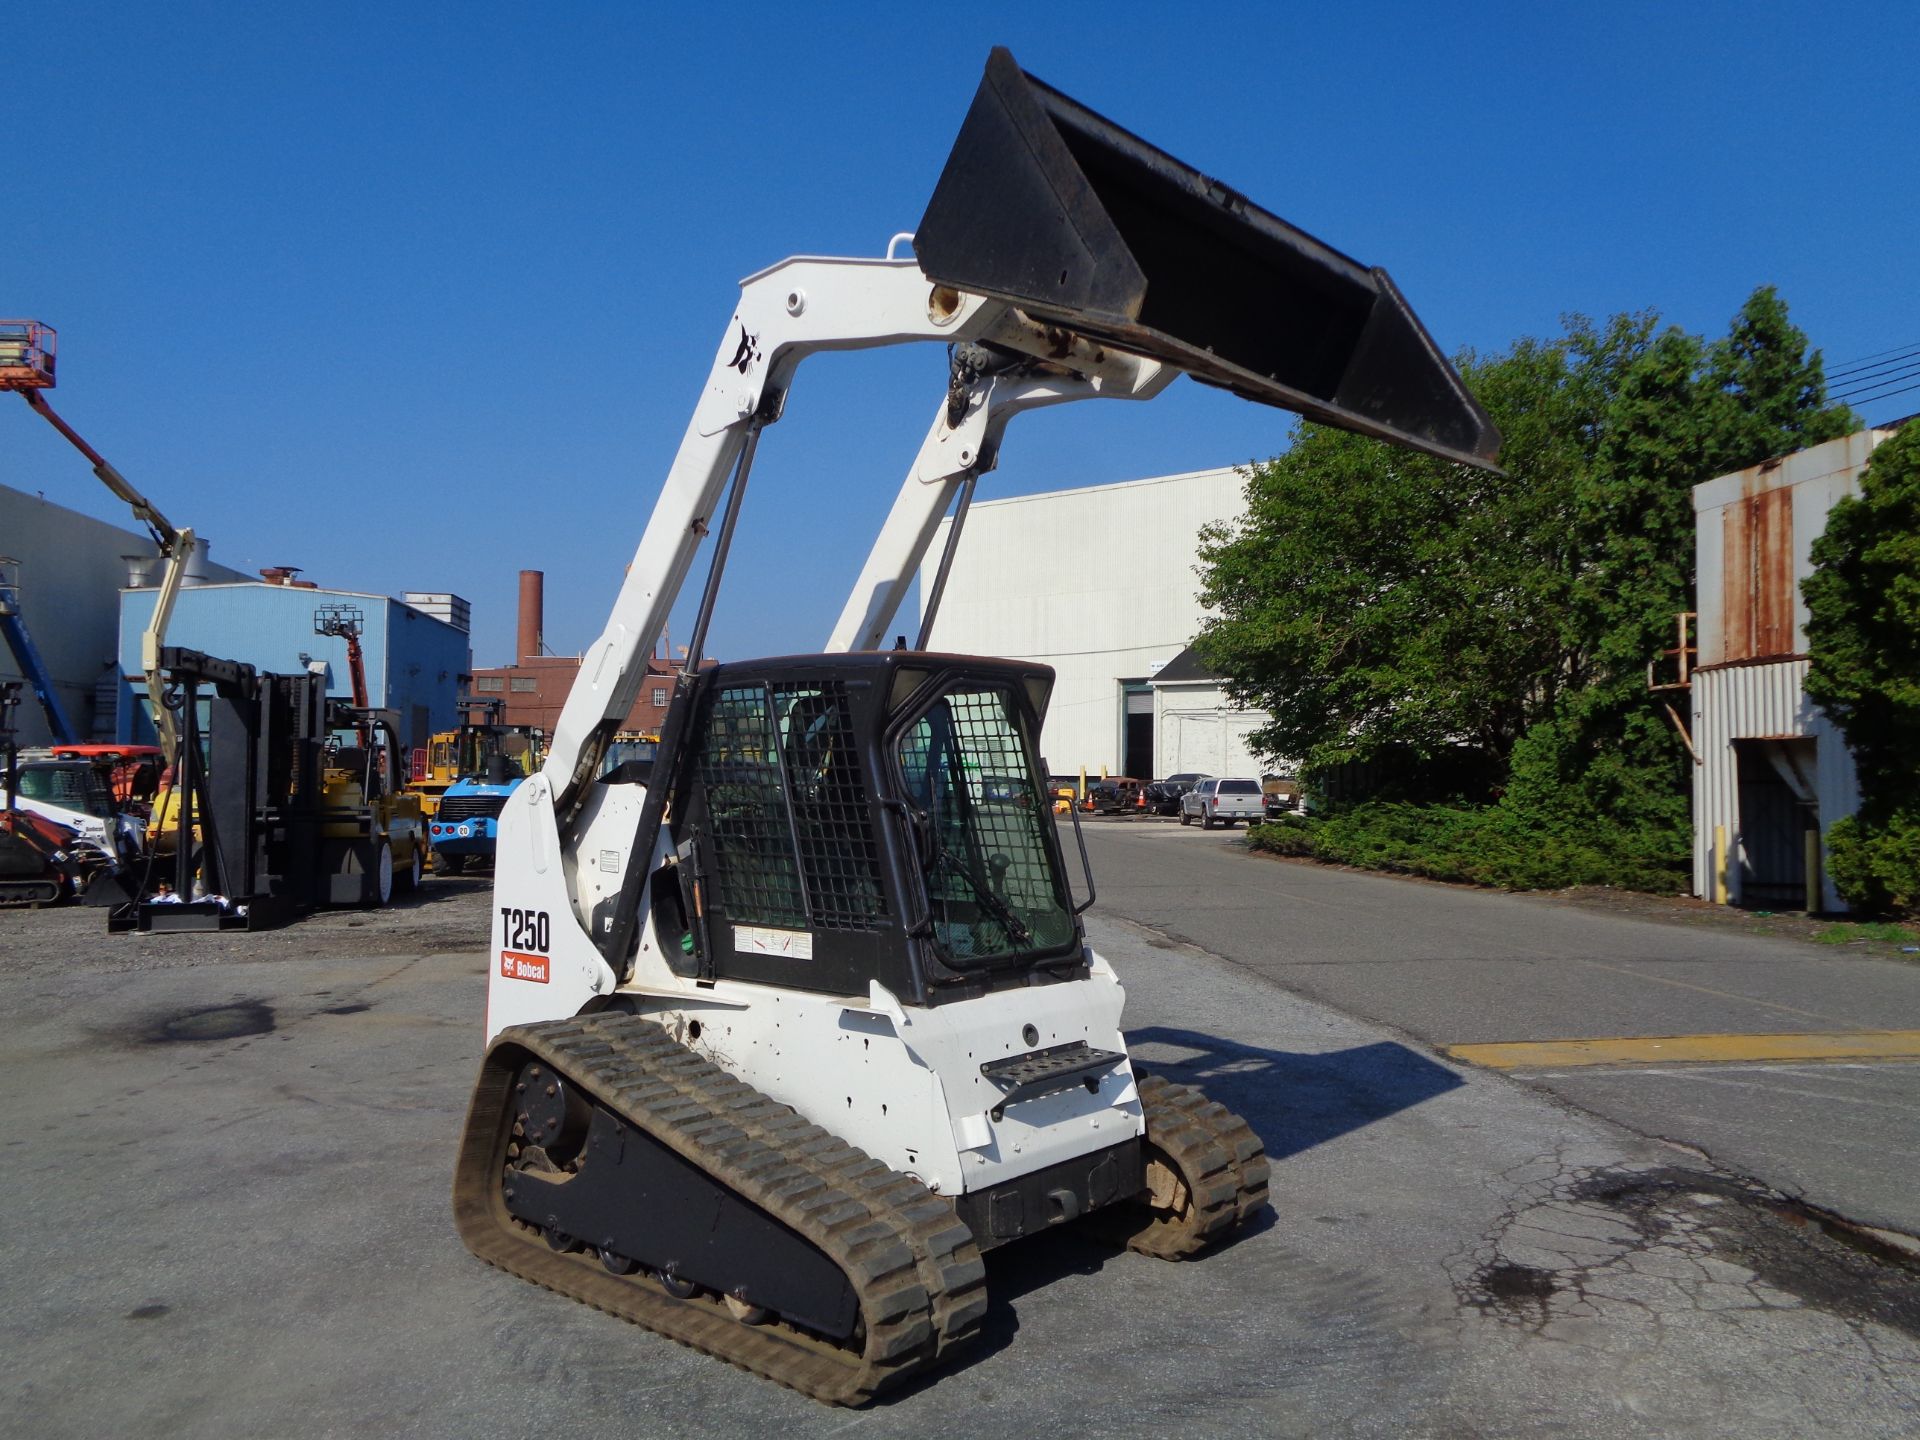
(953, 456)
(795, 309)
(176, 548)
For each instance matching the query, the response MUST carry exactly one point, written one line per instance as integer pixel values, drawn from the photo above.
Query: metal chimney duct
(140, 570)
(197, 564)
(532, 613)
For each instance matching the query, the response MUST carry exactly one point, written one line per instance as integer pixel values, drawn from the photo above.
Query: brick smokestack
(532, 613)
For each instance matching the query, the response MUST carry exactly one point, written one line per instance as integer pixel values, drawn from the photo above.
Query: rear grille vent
(470, 807)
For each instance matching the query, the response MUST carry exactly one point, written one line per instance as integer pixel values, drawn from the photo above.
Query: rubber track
(914, 1266)
(1220, 1159)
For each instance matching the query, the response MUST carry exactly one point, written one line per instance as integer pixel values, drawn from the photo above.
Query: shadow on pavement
(1296, 1099)
(1293, 1099)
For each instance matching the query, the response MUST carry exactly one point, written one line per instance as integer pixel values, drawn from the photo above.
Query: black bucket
(1054, 209)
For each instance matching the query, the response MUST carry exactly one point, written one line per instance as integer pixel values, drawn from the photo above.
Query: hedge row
(1482, 845)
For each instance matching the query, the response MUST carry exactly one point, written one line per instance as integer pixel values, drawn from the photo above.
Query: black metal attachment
(1054, 1195)
(939, 587)
(1042, 1072)
(1059, 211)
(1079, 838)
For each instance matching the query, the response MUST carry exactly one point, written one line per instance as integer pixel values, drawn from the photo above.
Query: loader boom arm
(795, 309)
(1059, 259)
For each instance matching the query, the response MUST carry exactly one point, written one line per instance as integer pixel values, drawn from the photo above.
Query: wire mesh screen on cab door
(990, 877)
(793, 839)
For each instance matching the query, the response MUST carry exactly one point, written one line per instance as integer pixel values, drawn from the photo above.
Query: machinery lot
(228, 1215)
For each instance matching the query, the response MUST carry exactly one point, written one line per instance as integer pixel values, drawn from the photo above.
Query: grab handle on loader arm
(1059, 211)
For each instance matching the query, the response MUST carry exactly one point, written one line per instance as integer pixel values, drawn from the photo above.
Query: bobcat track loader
(791, 1023)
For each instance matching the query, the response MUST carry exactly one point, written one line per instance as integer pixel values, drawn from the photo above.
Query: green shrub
(1874, 858)
(1863, 627)
(1288, 836)
(1483, 845)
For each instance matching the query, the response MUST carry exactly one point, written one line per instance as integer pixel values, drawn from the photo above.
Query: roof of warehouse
(1109, 485)
(1185, 666)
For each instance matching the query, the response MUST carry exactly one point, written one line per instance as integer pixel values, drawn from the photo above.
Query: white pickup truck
(1222, 802)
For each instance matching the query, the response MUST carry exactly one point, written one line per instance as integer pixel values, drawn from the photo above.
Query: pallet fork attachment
(1060, 212)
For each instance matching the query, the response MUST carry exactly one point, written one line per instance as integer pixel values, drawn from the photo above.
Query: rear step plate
(1042, 1072)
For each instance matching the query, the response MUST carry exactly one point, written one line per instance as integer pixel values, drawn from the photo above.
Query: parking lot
(228, 1215)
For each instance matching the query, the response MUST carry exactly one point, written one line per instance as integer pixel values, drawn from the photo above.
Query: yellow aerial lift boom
(27, 354)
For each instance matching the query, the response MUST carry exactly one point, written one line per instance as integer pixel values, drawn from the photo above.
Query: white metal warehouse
(1098, 582)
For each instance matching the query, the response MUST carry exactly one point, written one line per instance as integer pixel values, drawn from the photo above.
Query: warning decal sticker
(758, 940)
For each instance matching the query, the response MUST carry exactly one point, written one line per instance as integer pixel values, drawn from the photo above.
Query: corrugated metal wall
(1197, 728)
(1754, 535)
(1753, 542)
(1753, 702)
(70, 577)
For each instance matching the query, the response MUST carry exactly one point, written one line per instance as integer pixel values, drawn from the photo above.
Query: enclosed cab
(846, 819)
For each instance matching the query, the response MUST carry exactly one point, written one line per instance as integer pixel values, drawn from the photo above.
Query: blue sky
(416, 295)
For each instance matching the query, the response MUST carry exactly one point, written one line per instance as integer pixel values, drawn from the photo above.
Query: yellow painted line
(1693, 1049)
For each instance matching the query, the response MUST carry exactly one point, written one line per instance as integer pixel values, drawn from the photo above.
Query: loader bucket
(1054, 209)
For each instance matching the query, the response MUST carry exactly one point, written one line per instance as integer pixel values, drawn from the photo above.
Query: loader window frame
(988, 857)
(794, 841)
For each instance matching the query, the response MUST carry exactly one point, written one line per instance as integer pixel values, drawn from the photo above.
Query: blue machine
(491, 761)
(27, 656)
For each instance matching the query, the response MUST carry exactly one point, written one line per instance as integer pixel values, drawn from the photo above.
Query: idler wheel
(549, 1112)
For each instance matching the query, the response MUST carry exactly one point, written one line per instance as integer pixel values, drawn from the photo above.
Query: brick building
(535, 687)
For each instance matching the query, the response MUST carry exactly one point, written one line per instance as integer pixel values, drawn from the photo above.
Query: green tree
(1863, 627)
(1371, 600)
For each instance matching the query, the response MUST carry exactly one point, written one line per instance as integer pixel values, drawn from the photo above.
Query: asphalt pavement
(226, 1201)
(1483, 971)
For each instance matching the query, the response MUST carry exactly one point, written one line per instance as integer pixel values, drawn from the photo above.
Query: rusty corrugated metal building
(1771, 766)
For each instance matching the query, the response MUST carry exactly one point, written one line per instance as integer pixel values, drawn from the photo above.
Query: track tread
(1221, 1160)
(914, 1266)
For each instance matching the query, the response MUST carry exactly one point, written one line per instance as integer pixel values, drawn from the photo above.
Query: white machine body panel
(903, 1082)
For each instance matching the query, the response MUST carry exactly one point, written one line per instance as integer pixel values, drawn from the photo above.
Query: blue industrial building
(417, 665)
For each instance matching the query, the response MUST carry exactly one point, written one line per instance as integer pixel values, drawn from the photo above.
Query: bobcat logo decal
(748, 353)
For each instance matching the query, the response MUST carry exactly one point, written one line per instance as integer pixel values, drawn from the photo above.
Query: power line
(1862, 359)
(1860, 387)
(1887, 395)
(1867, 373)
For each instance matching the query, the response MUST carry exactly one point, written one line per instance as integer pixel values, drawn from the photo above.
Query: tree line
(1456, 657)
